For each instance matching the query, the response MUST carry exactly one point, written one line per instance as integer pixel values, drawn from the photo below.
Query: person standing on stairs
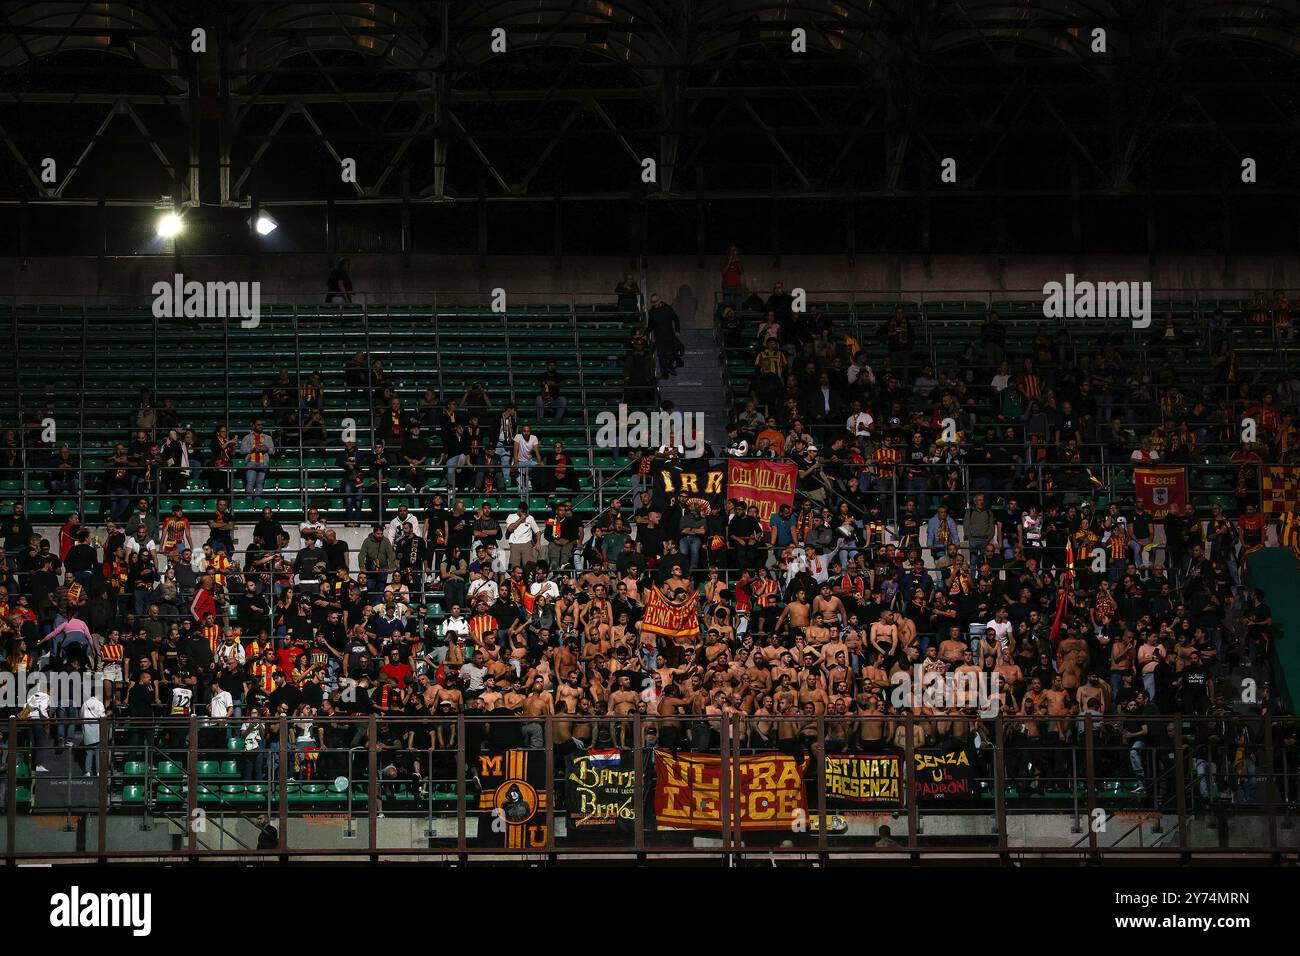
(665, 331)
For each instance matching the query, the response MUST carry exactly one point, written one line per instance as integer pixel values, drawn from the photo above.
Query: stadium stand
(302, 666)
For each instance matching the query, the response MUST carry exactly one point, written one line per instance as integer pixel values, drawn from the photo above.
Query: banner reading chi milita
(1160, 489)
(765, 484)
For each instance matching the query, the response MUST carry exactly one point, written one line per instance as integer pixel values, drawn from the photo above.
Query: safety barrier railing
(814, 780)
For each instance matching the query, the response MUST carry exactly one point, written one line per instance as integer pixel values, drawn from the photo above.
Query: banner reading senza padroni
(864, 779)
(688, 792)
(1160, 489)
(767, 485)
(943, 774)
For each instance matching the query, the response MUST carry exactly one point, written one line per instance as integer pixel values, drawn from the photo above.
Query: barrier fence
(912, 786)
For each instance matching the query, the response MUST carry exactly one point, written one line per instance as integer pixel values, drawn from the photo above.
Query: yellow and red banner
(1161, 489)
(677, 621)
(1281, 490)
(688, 792)
(767, 485)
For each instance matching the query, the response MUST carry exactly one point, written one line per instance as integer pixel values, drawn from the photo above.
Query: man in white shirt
(860, 422)
(91, 711)
(522, 533)
(313, 527)
(38, 710)
(527, 453)
(485, 586)
(140, 542)
(394, 529)
(1001, 626)
(1145, 452)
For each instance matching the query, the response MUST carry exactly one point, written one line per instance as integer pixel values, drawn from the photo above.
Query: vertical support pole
(638, 782)
(1180, 781)
(11, 789)
(283, 781)
(1090, 767)
(823, 836)
(460, 783)
(372, 784)
(1270, 793)
(192, 794)
(105, 778)
(1000, 781)
(548, 730)
(724, 782)
(909, 757)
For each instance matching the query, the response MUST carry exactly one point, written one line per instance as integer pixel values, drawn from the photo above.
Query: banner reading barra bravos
(767, 485)
(688, 793)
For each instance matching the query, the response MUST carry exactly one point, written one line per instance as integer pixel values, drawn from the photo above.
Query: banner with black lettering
(694, 477)
(862, 780)
(599, 789)
(512, 799)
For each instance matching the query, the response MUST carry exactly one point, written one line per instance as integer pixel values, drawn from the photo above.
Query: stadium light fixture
(169, 226)
(265, 224)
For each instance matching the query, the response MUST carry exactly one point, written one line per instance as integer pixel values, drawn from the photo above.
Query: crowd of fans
(926, 538)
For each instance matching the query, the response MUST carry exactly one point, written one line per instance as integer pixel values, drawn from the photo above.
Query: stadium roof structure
(1087, 106)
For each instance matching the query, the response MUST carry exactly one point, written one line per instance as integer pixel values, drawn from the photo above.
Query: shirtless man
(537, 706)
(623, 703)
(570, 692)
(812, 692)
(796, 614)
(829, 606)
(906, 631)
(1094, 693)
(566, 657)
(884, 636)
(1072, 660)
(953, 648)
(672, 704)
(818, 632)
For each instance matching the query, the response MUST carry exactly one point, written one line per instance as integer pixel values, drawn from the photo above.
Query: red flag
(1065, 592)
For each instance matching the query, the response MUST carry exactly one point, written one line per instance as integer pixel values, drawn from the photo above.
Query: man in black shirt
(285, 694)
(744, 533)
(252, 610)
(269, 534)
(437, 521)
(415, 458)
(1196, 685)
(17, 530)
(548, 395)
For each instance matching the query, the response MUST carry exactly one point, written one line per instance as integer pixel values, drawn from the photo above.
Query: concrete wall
(328, 831)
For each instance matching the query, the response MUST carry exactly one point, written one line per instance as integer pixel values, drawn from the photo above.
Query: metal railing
(999, 786)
